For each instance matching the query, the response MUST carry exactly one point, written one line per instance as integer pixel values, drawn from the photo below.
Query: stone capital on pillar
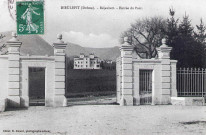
(13, 44)
(126, 49)
(59, 46)
(164, 50)
(126, 46)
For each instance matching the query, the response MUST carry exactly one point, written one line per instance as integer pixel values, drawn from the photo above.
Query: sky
(100, 28)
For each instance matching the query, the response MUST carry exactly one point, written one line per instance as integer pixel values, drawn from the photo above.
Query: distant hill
(102, 53)
(31, 44)
(35, 45)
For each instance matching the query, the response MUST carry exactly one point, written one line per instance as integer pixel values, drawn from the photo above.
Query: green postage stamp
(30, 17)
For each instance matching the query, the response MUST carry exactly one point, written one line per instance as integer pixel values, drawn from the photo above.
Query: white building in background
(87, 62)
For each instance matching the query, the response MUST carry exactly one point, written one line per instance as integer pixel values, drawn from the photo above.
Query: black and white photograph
(102, 67)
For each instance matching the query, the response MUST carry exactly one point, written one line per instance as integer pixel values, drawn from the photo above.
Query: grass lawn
(79, 83)
(90, 82)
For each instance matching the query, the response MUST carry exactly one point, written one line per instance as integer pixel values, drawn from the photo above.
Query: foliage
(70, 63)
(109, 66)
(187, 44)
(1, 38)
(200, 35)
(172, 31)
(200, 38)
(145, 35)
(184, 52)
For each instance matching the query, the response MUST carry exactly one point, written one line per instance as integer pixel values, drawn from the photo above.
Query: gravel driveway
(105, 120)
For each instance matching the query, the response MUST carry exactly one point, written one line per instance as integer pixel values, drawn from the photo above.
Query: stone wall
(3, 82)
(27, 62)
(14, 70)
(163, 76)
(3, 76)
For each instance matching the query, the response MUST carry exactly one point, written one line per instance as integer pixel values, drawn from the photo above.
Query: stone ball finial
(14, 36)
(125, 39)
(59, 38)
(164, 42)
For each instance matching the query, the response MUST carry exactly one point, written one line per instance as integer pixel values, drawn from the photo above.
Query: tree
(200, 38)
(172, 32)
(1, 38)
(172, 28)
(200, 35)
(70, 63)
(185, 49)
(187, 44)
(145, 35)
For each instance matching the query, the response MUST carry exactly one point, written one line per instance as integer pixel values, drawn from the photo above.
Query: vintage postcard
(102, 67)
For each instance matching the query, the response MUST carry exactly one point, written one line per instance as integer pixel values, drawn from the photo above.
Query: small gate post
(127, 81)
(14, 71)
(59, 90)
(166, 74)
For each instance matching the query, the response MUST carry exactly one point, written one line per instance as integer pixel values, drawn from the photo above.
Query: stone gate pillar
(127, 73)
(164, 56)
(59, 54)
(14, 71)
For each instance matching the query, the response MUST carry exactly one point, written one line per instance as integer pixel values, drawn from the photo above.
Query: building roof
(79, 59)
(85, 56)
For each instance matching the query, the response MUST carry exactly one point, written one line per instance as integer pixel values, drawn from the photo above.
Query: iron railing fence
(191, 82)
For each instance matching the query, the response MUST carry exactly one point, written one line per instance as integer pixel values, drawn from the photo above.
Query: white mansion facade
(87, 62)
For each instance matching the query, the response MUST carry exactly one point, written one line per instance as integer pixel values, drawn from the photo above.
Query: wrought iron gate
(145, 86)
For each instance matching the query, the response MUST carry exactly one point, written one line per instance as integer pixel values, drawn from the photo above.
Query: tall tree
(185, 43)
(172, 32)
(200, 38)
(145, 35)
(200, 35)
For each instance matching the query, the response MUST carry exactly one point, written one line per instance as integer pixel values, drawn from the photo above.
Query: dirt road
(105, 120)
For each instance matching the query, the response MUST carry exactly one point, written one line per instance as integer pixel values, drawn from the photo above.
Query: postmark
(12, 8)
(30, 17)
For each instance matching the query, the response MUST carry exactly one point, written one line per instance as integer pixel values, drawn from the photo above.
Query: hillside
(36, 45)
(31, 44)
(102, 53)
